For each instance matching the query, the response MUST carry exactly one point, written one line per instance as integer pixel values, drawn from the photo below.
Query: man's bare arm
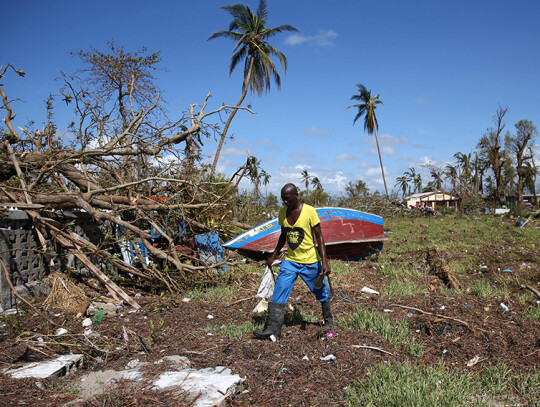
(279, 246)
(325, 269)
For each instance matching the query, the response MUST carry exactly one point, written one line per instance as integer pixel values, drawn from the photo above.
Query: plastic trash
(508, 270)
(330, 334)
(61, 331)
(266, 287)
(473, 361)
(98, 316)
(261, 306)
(328, 357)
(368, 290)
(86, 322)
(504, 307)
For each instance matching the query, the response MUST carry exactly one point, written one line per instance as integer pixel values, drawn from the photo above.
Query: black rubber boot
(276, 315)
(327, 315)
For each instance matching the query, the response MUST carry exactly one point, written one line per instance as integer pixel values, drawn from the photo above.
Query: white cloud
(302, 167)
(235, 152)
(387, 139)
(344, 158)
(388, 150)
(317, 131)
(325, 38)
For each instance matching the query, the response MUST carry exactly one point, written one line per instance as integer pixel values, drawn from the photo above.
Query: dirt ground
(288, 372)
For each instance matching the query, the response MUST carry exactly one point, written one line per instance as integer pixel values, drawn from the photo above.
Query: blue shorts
(289, 271)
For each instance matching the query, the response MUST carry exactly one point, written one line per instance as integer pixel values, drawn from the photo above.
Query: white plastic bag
(266, 288)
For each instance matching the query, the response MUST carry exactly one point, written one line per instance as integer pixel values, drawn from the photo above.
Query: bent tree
(249, 31)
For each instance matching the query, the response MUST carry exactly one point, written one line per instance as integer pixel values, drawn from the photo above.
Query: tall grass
(404, 384)
(396, 332)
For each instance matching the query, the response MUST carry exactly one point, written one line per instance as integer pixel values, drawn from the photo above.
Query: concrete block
(211, 383)
(61, 366)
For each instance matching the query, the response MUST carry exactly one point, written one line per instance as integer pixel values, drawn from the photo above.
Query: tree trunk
(380, 159)
(229, 120)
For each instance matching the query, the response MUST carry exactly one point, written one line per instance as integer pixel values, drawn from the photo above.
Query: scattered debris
(372, 348)
(368, 290)
(328, 357)
(505, 307)
(440, 269)
(87, 322)
(59, 367)
(473, 361)
(262, 306)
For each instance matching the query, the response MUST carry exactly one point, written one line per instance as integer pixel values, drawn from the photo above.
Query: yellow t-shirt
(300, 238)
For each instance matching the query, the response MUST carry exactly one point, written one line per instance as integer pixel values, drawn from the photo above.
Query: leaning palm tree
(305, 178)
(366, 108)
(403, 183)
(249, 31)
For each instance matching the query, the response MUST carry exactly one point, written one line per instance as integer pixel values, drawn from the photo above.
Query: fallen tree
(121, 161)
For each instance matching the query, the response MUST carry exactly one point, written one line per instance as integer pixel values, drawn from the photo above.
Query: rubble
(59, 367)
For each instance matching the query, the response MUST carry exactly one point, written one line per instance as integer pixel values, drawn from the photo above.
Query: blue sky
(441, 68)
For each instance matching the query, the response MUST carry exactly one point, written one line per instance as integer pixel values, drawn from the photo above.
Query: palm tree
(451, 172)
(437, 174)
(305, 178)
(316, 183)
(412, 177)
(265, 180)
(403, 183)
(255, 173)
(366, 108)
(249, 31)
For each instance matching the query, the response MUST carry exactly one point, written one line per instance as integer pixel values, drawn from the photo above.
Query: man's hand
(325, 269)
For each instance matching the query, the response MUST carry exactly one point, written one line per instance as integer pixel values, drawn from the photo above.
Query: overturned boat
(348, 234)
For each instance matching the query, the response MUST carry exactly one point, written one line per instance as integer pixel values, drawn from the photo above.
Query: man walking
(300, 229)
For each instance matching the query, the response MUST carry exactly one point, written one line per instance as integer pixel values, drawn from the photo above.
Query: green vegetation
(222, 293)
(396, 332)
(533, 313)
(233, 330)
(484, 288)
(402, 287)
(403, 384)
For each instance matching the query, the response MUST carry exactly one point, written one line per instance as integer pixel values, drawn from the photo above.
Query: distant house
(436, 200)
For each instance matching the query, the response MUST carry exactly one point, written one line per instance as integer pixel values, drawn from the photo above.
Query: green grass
(342, 267)
(533, 313)
(403, 384)
(396, 332)
(400, 384)
(484, 288)
(220, 293)
(398, 288)
(232, 330)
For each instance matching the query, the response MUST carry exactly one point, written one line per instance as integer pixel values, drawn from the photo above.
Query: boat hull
(348, 235)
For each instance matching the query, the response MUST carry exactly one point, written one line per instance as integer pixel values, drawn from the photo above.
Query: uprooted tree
(121, 160)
